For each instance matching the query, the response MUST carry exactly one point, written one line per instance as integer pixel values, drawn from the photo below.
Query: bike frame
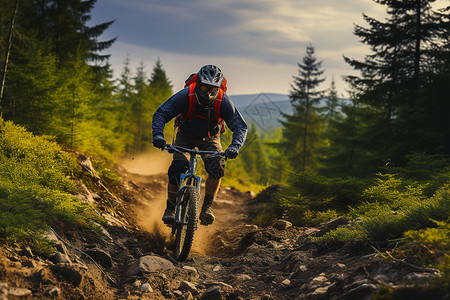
(186, 179)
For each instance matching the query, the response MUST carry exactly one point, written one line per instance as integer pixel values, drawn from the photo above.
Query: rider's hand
(159, 142)
(232, 151)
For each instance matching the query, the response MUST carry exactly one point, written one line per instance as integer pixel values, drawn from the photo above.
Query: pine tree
(64, 23)
(302, 131)
(404, 55)
(254, 158)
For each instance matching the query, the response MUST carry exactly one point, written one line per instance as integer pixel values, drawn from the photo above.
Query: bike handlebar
(172, 148)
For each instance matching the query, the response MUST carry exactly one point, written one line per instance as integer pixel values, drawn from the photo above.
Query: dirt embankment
(232, 259)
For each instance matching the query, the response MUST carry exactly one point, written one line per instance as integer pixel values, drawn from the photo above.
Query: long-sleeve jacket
(198, 126)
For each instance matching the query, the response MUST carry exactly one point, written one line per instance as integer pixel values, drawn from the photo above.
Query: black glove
(159, 142)
(232, 151)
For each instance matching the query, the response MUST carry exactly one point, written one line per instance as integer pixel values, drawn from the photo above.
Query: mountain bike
(186, 209)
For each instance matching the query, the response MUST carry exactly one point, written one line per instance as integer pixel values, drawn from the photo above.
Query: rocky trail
(232, 259)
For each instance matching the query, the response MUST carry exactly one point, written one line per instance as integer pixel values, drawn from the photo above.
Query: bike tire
(189, 216)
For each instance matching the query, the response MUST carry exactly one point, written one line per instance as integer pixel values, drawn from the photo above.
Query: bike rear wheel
(189, 218)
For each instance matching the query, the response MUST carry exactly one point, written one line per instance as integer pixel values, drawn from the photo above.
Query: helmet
(209, 80)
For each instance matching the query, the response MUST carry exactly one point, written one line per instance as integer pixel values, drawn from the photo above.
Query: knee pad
(215, 167)
(176, 168)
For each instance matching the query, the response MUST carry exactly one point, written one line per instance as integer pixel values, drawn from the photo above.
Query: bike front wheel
(189, 218)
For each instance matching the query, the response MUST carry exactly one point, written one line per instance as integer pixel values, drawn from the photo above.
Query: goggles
(209, 89)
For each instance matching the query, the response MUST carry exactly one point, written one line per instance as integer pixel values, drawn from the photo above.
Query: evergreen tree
(160, 90)
(64, 23)
(302, 131)
(404, 55)
(254, 158)
(332, 104)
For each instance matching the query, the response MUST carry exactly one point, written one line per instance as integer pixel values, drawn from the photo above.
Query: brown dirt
(246, 261)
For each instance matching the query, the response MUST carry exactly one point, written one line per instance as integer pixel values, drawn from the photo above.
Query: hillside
(130, 257)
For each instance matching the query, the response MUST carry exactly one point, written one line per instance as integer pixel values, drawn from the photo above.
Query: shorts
(215, 166)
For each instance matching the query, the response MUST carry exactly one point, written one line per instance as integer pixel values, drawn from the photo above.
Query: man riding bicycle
(200, 108)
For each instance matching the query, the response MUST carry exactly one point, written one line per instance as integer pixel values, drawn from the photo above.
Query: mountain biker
(203, 131)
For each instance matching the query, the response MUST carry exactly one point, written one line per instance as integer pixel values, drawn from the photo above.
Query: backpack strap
(192, 100)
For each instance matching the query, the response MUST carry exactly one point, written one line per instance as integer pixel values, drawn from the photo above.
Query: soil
(234, 256)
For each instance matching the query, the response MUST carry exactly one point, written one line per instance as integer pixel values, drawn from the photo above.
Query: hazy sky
(256, 43)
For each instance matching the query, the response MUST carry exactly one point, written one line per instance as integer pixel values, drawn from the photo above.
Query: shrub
(35, 191)
(393, 210)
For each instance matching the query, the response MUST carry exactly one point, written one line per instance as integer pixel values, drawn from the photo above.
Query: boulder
(282, 224)
(212, 293)
(148, 264)
(100, 256)
(188, 286)
(58, 258)
(69, 272)
(146, 288)
(19, 293)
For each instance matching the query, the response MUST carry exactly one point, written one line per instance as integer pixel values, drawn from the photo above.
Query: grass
(36, 191)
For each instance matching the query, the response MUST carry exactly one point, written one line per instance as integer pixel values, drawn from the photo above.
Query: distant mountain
(264, 110)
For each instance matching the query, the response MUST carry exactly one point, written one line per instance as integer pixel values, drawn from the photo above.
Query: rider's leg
(211, 188)
(178, 166)
(215, 166)
(169, 213)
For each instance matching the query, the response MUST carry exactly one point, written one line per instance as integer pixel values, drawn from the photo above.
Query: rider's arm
(234, 121)
(174, 106)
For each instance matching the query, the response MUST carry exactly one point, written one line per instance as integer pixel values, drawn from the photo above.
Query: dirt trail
(232, 259)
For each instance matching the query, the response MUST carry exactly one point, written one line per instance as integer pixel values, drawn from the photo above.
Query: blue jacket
(197, 126)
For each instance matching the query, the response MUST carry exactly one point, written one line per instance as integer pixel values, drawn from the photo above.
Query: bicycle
(186, 209)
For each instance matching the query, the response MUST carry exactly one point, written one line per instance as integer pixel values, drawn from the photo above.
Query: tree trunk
(8, 51)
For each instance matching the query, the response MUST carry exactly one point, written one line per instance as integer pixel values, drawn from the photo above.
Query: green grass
(392, 210)
(35, 189)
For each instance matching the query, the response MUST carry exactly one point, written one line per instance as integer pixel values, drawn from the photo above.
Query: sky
(256, 43)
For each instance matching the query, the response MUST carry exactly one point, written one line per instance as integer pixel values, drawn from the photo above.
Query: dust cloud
(151, 169)
(150, 163)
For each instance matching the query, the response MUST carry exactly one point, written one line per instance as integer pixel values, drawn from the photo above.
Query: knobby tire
(189, 215)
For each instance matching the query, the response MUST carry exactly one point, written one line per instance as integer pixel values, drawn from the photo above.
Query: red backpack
(191, 82)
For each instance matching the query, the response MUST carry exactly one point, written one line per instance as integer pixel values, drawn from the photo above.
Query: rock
(3, 287)
(282, 224)
(321, 278)
(333, 224)
(29, 264)
(320, 291)
(251, 226)
(312, 231)
(52, 291)
(27, 252)
(191, 269)
(146, 288)
(420, 277)
(68, 272)
(212, 293)
(59, 258)
(251, 194)
(342, 266)
(188, 286)
(303, 268)
(178, 294)
(361, 292)
(217, 268)
(19, 293)
(149, 263)
(242, 277)
(100, 256)
(226, 287)
(286, 282)
(188, 296)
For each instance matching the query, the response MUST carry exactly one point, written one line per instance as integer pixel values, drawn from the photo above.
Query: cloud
(257, 43)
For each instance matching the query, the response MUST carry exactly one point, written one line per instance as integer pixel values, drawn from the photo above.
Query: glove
(159, 142)
(232, 151)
